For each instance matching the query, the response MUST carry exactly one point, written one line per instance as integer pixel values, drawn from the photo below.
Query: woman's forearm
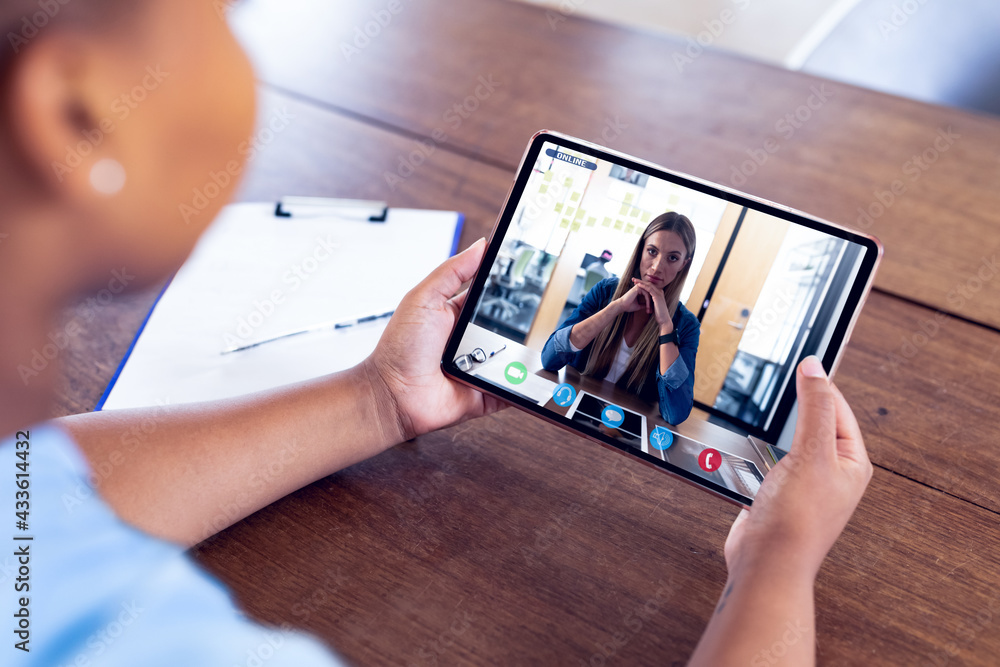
(586, 331)
(668, 351)
(765, 616)
(184, 472)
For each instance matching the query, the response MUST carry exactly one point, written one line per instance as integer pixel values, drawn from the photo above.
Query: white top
(618, 365)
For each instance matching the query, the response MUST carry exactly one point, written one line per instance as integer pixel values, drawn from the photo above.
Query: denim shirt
(673, 390)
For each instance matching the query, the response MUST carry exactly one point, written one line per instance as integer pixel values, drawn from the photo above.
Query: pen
(370, 318)
(344, 324)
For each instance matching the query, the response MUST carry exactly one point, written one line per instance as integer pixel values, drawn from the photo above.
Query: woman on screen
(635, 332)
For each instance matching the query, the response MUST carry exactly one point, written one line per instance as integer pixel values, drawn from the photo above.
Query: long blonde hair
(645, 352)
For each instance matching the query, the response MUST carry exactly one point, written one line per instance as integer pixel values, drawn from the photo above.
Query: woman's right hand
(807, 499)
(634, 300)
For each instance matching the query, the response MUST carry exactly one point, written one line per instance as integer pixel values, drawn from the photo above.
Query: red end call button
(710, 460)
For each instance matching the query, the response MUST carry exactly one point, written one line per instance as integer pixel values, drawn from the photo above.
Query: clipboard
(262, 268)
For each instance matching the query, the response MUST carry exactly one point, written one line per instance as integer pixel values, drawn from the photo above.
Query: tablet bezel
(834, 351)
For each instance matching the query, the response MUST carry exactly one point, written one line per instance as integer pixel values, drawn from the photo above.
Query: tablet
(655, 313)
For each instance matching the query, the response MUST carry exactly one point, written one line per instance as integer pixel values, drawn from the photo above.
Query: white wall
(768, 30)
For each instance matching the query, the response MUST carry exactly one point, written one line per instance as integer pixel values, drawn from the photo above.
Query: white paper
(253, 276)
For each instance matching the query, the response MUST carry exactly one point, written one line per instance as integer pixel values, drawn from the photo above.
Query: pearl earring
(107, 176)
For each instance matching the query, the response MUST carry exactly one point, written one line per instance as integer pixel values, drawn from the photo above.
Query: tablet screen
(629, 302)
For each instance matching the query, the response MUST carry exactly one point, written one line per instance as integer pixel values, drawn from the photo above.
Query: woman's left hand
(405, 368)
(654, 295)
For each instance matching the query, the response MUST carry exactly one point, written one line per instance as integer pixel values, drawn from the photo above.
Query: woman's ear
(55, 107)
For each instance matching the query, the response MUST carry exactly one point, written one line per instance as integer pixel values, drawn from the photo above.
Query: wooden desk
(463, 547)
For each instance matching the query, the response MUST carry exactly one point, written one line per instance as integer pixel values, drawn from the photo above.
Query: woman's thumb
(816, 428)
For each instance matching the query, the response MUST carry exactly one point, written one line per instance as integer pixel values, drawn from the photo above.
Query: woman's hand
(655, 302)
(632, 301)
(807, 499)
(413, 395)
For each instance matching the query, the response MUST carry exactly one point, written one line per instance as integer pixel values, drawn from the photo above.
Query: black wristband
(669, 338)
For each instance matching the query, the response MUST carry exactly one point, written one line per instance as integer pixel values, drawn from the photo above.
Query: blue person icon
(564, 395)
(661, 438)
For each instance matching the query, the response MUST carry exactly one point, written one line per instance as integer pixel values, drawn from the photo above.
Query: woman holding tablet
(635, 332)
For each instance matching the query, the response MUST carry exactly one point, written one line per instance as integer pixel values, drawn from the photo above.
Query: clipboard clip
(355, 209)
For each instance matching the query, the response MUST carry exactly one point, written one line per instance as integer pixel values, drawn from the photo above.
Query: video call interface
(754, 295)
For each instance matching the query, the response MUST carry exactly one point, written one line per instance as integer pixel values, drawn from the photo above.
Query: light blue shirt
(100, 593)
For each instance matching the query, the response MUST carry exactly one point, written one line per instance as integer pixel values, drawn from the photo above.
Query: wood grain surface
(622, 88)
(508, 541)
